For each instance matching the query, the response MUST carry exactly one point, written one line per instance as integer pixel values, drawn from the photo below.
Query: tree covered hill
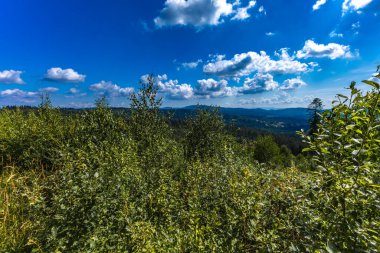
(286, 120)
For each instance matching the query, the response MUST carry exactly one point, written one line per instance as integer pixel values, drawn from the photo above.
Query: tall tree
(148, 125)
(315, 108)
(205, 137)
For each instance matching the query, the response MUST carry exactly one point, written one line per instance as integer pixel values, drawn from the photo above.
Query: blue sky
(279, 53)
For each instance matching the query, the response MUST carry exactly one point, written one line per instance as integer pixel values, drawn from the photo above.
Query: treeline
(97, 181)
(176, 119)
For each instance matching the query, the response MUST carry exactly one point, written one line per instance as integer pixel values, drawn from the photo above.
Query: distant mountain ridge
(286, 120)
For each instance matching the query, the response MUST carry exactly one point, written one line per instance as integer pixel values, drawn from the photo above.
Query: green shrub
(346, 151)
(205, 137)
(265, 149)
(99, 182)
(19, 192)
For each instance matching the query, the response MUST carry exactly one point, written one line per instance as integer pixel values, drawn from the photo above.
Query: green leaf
(358, 141)
(325, 151)
(359, 131)
(372, 83)
(330, 247)
(306, 149)
(343, 96)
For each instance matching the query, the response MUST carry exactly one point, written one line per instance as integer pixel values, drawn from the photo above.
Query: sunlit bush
(95, 181)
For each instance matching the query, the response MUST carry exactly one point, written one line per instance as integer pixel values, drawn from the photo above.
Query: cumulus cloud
(259, 83)
(199, 13)
(191, 65)
(292, 84)
(64, 76)
(17, 93)
(318, 4)
(172, 89)
(211, 88)
(354, 5)
(110, 89)
(25, 96)
(283, 54)
(242, 13)
(193, 12)
(246, 63)
(331, 50)
(11, 77)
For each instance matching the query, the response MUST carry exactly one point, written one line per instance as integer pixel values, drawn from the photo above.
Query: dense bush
(103, 182)
(266, 149)
(347, 148)
(205, 137)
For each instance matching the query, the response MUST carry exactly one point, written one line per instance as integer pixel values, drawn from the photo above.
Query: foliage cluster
(100, 182)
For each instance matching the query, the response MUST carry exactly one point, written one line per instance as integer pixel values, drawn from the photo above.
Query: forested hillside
(99, 181)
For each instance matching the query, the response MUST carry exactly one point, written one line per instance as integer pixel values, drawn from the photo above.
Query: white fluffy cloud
(259, 83)
(193, 12)
(11, 77)
(354, 5)
(172, 88)
(292, 84)
(242, 13)
(110, 89)
(318, 4)
(246, 63)
(211, 88)
(348, 5)
(25, 96)
(201, 13)
(17, 93)
(331, 50)
(64, 76)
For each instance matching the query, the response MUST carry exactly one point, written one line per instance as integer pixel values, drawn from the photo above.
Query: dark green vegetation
(274, 120)
(99, 181)
(278, 121)
(315, 110)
